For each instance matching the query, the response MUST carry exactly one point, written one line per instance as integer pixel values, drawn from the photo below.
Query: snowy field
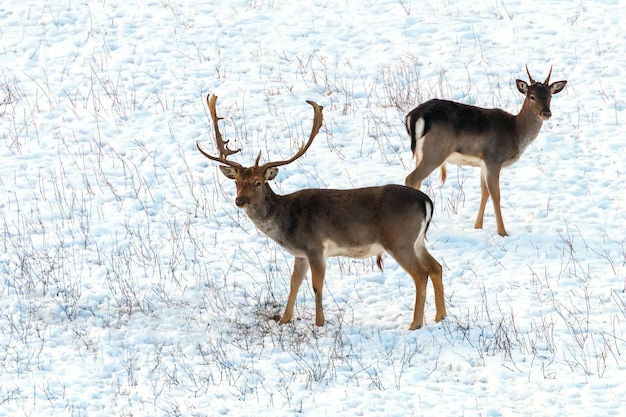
(131, 285)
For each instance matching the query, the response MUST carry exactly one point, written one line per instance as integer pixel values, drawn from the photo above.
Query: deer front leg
(484, 195)
(300, 268)
(318, 270)
(493, 184)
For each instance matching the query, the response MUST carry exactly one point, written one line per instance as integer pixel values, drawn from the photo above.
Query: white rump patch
(419, 144)
(419, 245)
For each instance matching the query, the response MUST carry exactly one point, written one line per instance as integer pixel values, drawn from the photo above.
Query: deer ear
(271, 173)
(557, 86)
(229, 172)
(522, 86)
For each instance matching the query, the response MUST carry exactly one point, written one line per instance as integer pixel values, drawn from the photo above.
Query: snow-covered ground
(131, 285)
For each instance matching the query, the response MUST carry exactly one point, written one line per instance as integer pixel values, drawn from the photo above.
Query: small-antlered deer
(445, 131)
(313, 224)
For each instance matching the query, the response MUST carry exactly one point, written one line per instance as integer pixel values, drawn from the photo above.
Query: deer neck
(527, 125)
(267, 213)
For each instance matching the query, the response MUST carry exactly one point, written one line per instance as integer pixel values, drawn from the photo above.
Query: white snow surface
(131, 285)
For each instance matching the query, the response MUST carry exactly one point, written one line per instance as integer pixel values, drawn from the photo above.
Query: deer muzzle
(242, 201)
(545, 114)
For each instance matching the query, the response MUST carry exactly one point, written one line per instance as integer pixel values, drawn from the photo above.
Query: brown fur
(442, 130)
(314, 224)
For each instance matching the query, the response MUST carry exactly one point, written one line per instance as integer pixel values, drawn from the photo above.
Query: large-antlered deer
(445, 131)
(313, 224)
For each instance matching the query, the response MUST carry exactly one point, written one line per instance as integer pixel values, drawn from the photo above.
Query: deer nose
(546, 114)
(241, 201)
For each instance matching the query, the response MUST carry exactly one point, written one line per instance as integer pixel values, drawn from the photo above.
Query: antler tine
(317, 124)
(549, 74)
(218, 159)
(222, 145)
(529, 76)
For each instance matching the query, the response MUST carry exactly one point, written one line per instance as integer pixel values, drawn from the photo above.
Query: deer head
(539, 94)
(251, 182)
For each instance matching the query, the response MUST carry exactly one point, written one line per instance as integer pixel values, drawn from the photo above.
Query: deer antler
(221, 143)
(317, 124)
(224, 151)
(549, 74)
(529, 76)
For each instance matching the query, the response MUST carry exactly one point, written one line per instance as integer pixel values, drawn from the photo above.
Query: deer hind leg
(434, 270)
(427, 159)
(419, 264)
(300, 268)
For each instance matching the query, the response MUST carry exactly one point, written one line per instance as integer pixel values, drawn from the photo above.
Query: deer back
(347, 221)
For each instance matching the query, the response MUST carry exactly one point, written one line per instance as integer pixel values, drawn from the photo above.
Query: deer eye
(532, 97)
(258, 183)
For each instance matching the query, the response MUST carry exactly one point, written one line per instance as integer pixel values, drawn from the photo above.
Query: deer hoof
(415, 326)
(284, 319)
